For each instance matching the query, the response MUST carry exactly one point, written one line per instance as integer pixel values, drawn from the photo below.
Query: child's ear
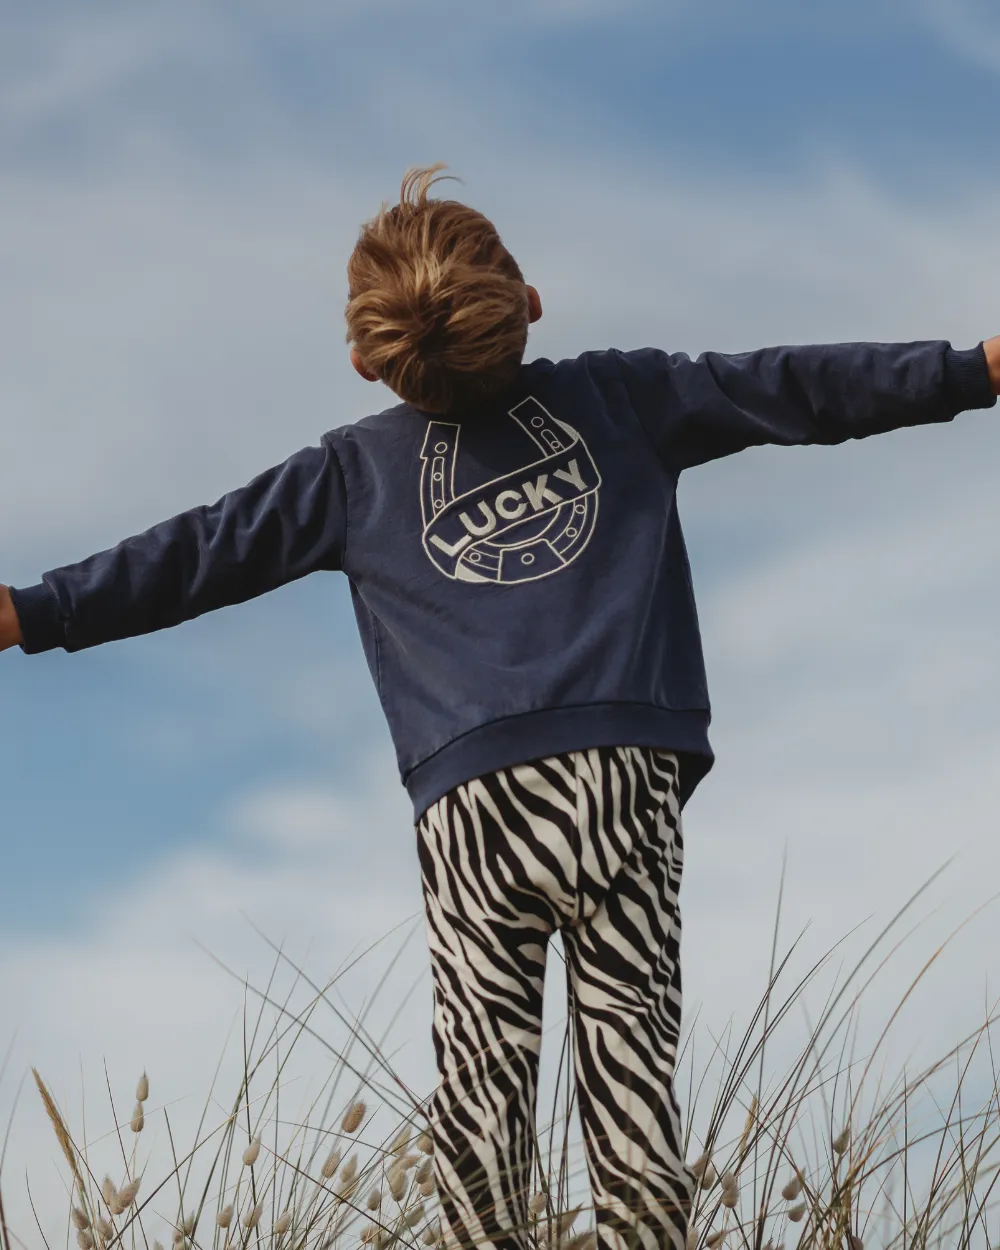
(534, 304)
(365, 373)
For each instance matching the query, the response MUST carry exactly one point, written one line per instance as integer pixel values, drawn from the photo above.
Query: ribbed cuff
(969, 378)
(41, 621)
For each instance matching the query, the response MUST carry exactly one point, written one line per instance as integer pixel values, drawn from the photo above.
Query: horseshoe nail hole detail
(527, 558)
(440, 448)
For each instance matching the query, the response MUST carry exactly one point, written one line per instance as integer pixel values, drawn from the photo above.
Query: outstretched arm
(699, 410)
(287, 522)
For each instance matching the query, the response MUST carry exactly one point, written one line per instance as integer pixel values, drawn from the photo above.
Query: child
(511, 538)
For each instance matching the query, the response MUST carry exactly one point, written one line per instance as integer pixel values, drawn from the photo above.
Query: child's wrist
(10, 626)
(992, 349)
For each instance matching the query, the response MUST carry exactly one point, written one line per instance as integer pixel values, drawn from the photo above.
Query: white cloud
(969, 27)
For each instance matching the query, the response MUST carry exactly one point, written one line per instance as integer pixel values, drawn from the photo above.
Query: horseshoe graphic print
(516, 528)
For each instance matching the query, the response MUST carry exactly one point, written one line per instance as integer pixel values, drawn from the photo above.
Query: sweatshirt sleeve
(699, 410)
(288, 522)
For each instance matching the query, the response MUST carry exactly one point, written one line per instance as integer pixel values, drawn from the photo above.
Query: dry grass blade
(4, 1231)
(62, 1133)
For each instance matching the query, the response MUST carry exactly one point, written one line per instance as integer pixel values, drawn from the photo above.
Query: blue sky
(179, 191)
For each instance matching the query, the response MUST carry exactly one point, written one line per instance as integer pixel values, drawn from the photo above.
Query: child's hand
(992, 349)
(10, 626)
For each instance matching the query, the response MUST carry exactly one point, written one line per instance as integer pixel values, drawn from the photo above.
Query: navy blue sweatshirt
(520, 579)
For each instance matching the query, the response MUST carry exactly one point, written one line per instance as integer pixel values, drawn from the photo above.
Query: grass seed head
(108, 1192)
(105, 1228)
(142, 1089)
(566, 1221)
(747, 1126)
(374, 1200)
(332, 1162)
(127, 1193)
(398, 1184)
(62, 1134)
(353, 1117)
(80, 1219)
(797, 1212)
(252, 1218)
(425, 1143)
(138, 1121)
(85, 1239)
(710, 1177)
(368, 1233)
(424, 1172)
(433, 1233)
(715, 1239)
(348, 1181)
(842, 1140)
(401, 1141)
(225, 1217)
(538, 1203)
(428, 1187)
(347, 1189)
(251, 1153)
(792, 1190)
(282, 1224)
(414, 1215)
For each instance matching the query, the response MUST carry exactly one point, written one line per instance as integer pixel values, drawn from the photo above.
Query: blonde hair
(437, 306)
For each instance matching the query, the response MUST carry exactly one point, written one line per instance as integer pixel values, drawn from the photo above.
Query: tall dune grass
(822, 1155)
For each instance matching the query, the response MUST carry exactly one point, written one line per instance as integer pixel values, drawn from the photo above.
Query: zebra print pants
(588, 843)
